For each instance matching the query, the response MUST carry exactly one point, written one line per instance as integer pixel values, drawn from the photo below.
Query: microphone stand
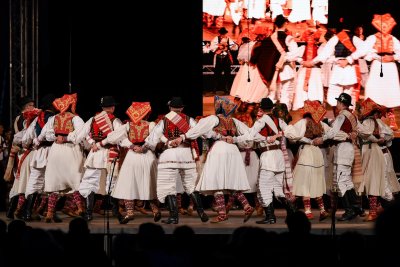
(107, 236)
(333, 215)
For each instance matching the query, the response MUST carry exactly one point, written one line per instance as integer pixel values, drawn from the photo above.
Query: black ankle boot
(173, 210)
(289, 206)
(270, 217)
(349, 206)
(115, 207)
(30, 202)
(199, 206)
(12, 207)
(89, 207)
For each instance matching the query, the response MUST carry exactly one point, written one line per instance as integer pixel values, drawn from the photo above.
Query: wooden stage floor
(97, 226)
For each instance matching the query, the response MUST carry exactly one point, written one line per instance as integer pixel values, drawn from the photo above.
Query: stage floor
(98, 225)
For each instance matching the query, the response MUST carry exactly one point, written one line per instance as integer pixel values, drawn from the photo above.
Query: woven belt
(45, 144)
(268, 148)
(108, 146)
(334, 142)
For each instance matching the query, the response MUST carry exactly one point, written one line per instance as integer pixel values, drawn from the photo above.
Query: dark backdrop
(110, 39)
(135, 52)
(122, 48)
(360, 12)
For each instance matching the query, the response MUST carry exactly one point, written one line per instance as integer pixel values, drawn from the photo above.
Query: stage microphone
(381, 74)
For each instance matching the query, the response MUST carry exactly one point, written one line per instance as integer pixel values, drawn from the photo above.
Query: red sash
(26, 153)
(345, 40)
(178, 121)
(310, 53)
(103, 122)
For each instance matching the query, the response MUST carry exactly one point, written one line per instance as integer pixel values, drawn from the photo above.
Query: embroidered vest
(267, 131)
(226, 126)
(138, 132)
(384, 44)
(63, 123)
(170, 130)
(346, 126)
(95, 132)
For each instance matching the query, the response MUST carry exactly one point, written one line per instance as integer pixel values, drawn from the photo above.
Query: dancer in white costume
(38, 163)
(344, 46)
(320, 10)
(247, 76)
(383, 49)
(301, 10)
(309, 81)
(16, 201)
(100, 159)
(255, 9)
(274, 59)
(267, 130)
(138, 175)
(177, 161)
(224, 169)
(276, 7)
(309, 172)
(23, 169)
(376, 184)
(391, 183)
(65, 159)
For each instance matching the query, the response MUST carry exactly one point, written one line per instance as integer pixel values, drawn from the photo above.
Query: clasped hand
(317, 141)
(60, 139)
(228, 139)
(176, 142)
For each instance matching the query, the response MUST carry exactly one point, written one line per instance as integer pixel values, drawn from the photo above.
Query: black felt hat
(107, 101)
(176, 102)
(345, 99)
(266, 104)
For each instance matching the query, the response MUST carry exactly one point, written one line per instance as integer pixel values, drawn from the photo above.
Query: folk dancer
(176, 161)
(138, 174)
(344, 131)
(35, 185)
(65, 159)
(98, 164)
(309, 172)
(274, 176)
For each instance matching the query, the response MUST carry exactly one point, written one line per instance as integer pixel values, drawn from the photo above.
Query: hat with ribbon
(30, 115)
(223, 30)
(266, 104)
(345, 99)
(315, 109)
(63, 103)
(224, 106)
(138, 110)
(176, 102)
(368, 106)
(107, 101)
